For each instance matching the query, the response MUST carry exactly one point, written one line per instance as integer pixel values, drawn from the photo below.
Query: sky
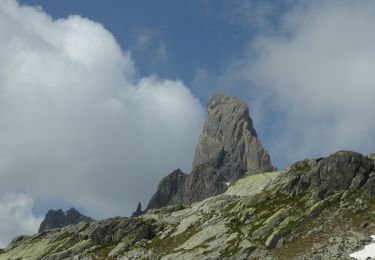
(101, 99)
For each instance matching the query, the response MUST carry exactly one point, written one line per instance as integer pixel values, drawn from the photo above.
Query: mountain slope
(316, 209)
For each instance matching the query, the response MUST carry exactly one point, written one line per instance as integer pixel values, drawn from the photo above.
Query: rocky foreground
(316, 209)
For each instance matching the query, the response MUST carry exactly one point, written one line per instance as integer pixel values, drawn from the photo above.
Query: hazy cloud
(312, 83)
(149, 43)
(16, 217)
(77, 124)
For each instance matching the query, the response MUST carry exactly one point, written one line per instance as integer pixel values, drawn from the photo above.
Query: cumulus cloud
(312, 83)
(16, 217)
(76, 122)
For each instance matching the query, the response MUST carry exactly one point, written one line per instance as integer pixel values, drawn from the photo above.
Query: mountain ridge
(275, 215)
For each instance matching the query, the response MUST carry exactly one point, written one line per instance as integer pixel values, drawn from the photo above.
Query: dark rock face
(205, 181)
(59, 219)
(138, 211)
(343, 170)
(227, 149)
(169, 190)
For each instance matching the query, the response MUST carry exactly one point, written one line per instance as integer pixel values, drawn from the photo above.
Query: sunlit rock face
(229, 139)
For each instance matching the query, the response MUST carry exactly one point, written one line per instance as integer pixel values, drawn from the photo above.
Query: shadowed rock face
(227, 149)
(59, 219)
(138, 211)
(169, 190)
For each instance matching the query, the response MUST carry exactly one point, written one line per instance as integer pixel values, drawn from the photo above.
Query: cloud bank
(76, 122)
(311, 82)
(16, 216)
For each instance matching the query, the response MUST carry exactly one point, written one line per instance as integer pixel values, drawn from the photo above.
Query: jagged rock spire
(138, 211)
(230, 140)
(227, 149)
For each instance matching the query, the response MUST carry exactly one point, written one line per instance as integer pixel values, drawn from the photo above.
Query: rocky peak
(59, 219)
(229, 139)
(227, 149)
(138, 211)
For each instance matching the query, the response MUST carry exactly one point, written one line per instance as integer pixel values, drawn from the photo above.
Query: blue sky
(101, 99)
(198, 35)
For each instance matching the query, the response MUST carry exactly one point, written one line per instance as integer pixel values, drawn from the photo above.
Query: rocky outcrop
(170, 190)
(230, 140)
(343, 170)
(205, 181)
(138, 211)
(59, 219)
(315, 209)
(227, 149)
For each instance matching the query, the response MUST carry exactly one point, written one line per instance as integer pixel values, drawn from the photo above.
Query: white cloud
(313, 83)
(16, 217)
(77, 124)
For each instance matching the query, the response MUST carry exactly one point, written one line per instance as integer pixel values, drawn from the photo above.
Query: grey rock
(138, 211)
(59, 219)
(116, 229)
(369, 187)
(170, 190)
(59, 256)
(274, 238)
(229, 139)
(318, 208)
(202, 183)
(227, 149)
(340, 171)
